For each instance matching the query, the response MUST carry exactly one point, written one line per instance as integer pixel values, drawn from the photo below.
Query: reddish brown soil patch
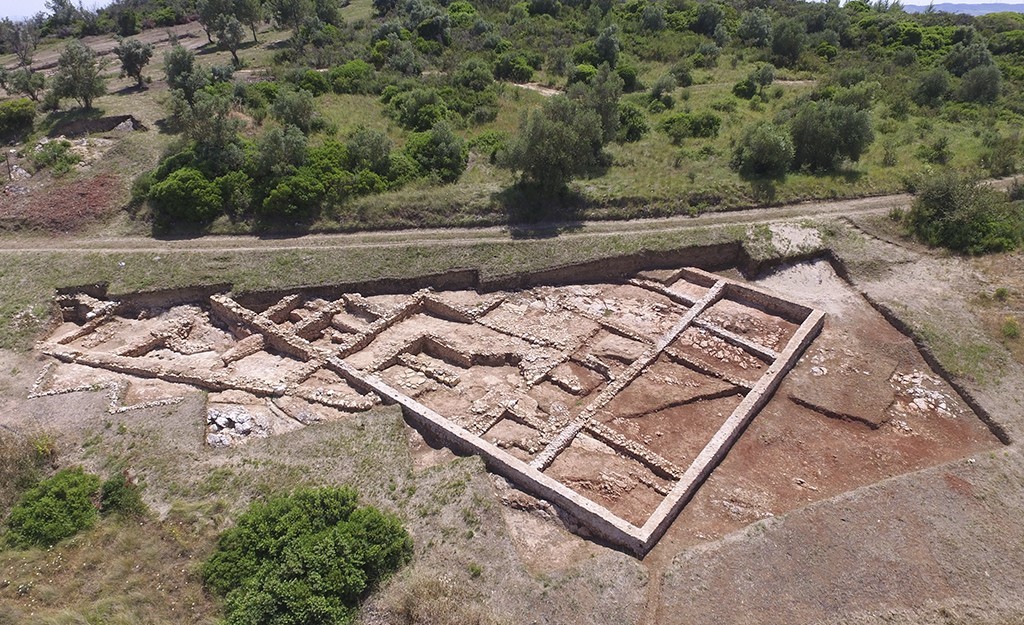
(792, 455)
(621, 484)
(62, 205)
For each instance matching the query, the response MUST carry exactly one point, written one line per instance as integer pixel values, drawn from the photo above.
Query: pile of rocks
(225, 425)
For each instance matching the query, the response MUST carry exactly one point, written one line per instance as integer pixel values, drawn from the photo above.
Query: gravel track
(24, 244)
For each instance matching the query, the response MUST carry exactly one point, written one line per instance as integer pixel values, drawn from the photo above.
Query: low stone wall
(722, 441)
(595, 518)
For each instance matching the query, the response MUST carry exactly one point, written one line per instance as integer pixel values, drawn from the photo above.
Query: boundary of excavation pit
(600, 521)
(597, 520)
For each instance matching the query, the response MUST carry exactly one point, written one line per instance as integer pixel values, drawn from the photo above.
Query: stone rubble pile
(225, 425)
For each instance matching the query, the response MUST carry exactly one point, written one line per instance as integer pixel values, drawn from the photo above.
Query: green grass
(357, 10)
(348, 112)
(968, 357)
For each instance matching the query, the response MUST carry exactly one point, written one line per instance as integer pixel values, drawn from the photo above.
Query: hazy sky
(25, 8)
(28, 8)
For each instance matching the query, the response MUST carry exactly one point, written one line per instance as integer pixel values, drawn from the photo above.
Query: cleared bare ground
(866, 489)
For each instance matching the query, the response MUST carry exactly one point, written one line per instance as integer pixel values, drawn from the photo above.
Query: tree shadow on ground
(58, 119)
(130, 90)
(848, 176)
(763, 190)
(167, 126)
(537, 212)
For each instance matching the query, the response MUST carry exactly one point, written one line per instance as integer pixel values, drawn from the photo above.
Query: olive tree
(78, 75)
(825, 133)
(558, 142)
(134, 56)
(764, 151)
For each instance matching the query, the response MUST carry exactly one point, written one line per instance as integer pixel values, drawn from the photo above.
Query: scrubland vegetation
(417, 113)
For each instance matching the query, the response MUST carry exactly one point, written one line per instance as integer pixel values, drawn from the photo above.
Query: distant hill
(968, 9)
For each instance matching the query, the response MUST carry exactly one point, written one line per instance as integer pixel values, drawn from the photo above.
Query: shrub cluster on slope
(955, 212)
(66, 503)
(305, 559)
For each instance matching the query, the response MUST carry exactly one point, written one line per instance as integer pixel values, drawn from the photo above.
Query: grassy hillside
(420, 64)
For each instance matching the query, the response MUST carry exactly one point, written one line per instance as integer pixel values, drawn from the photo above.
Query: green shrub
(489, 143)
(120, 496)
(474, 75)
(56, 155)
(514, 67)
(955, 212)
(936, 152)
(306, 558)
(16, 118)
(366, 182)
(55, 509)
(1000, 155)
(369, 148)
(682, 71)
(931, 87)
(418, 109)
(582, 73)
(236, 191)
(683, 125)
(439, 152)
(353, 77)
(981, 84)
(745, 89)
(660, 95)
(765, 150)
(632, 123)
(141, 187)
(630, 76)
(295, 195)
(296, 108)
(186, 195)
(314, 82)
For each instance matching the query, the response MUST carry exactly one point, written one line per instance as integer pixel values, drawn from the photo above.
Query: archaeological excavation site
(640, 402)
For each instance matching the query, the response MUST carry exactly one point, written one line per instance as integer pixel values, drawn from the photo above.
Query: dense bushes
(16, 117)
(765, 150)
(304, 559)
(514, 67)
(438, 66)
(186, 196)
(954, 211)
(55, 509)
(683, 125)
(353, 77)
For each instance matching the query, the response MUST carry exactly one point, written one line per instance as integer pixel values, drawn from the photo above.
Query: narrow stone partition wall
(614, 400)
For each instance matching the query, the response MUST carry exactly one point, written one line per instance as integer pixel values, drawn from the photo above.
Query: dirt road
(29, 244)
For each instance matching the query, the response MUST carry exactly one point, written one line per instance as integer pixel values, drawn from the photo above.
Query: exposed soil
(861, 429)
(66, 205)
(518, 367)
